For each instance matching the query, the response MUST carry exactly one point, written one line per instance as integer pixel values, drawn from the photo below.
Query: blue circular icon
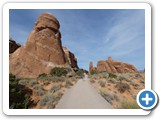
(147, 99)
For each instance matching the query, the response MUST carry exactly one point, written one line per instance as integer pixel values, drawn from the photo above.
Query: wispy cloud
(126, 37)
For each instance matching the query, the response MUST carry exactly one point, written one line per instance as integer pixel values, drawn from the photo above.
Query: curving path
(82, 96)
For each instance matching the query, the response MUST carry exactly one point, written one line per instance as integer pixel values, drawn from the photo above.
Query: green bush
(138, 76)
(19, 95)
(111, 81)
(104, 75)
(122, 87)
(121, 78)
(38, 87)
(128, 105)
(33, 82)
(40, 92)
(80, 73)
(58, 71)
(48, 98)
(57, 79)
(42, 75)
(111, 75)
(55, 88)
(102, 83)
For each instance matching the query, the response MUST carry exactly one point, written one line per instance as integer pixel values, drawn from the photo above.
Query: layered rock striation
(42, 51)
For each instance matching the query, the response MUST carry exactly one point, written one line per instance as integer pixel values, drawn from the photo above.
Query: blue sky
(92, 35)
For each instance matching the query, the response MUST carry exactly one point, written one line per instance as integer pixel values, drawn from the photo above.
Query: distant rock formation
(70, 58)
(42, 51)
(13, 46)
(112, 66)
(91, 67)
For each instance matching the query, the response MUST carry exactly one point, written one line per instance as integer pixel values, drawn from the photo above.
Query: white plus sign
(147, 99)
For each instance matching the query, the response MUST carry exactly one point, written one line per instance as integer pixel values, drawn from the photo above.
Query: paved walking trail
(82, 96)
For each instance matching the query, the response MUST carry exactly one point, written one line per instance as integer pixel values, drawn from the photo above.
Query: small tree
(111, 75)
(19, 95)
(58, 71)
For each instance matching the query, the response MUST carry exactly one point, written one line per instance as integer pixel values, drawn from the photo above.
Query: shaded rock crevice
(13, 46)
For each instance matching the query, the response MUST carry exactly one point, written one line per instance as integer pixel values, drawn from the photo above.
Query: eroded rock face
(13, 46)
(113, 66)
(90, 66)
(70, 58)
(42, 51)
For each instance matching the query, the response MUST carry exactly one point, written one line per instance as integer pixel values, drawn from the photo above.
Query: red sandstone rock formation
(90, 66)
(42, 51)
(13, 46)
(113, 66)
(70, 58)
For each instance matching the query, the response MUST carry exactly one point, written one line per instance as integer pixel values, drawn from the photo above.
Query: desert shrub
(135, 85)
(127, 80)
(55, 88)
(93, 72)
(115, 97)
(138, 76)
(102, 75)
(128, 105)
(121, 78)
(102, 83)
(73, 79)
(46, 82)
(142, 81)
(23, 82)
(51, 105)
(47, 98)
(92, 81)
(57, 79)
(40, 92)
(32, 82)
(38, 87)
(58, 71)
(42, 75)
(122, 87)
(68, 83)
(80, 73)
(134, 96)
(111, 75)
(107, 96)
(19, 95)
(111, 81)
